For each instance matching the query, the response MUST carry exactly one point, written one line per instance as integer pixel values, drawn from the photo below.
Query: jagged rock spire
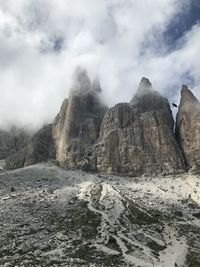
(77, 128)
(145, 82)
(130, 139)
(187, 95)
(138, 138)
(146, 98)
(145, 87)
(80, 81)
(188, 127)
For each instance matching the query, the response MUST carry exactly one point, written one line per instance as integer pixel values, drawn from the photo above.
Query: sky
(121, 41)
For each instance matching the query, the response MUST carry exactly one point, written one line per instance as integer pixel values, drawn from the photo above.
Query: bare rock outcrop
(188, 127)
(12, 141)
(76, 128)
(40, 148)
(130, 139)
(137, 138)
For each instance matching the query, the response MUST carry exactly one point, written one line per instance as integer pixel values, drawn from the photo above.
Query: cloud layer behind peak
(42, 42)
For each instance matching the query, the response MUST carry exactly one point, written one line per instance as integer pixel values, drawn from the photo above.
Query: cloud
(42, 42)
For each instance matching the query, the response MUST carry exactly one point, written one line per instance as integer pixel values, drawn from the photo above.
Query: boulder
(40, 148)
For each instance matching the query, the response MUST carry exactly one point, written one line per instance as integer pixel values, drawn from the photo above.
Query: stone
(188, 127)
(132, 139)
(12, 140)
(40, 148)
(137, 138)
(76, 128)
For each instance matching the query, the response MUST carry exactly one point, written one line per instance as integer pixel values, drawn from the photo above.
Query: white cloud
(117, 39)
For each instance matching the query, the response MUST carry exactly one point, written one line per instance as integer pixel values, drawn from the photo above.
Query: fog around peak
(42, 43)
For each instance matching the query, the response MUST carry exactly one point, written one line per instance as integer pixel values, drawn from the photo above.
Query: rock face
(137, 138)
(40, 148)
(131, 139)
(76, 128)
(12, 141)
(188, 127)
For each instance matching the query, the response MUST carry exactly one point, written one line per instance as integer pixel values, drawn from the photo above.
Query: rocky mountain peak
(147, 99)
(130, 138)
(187, 96)
(184, 88)
(77, 125)
(188, 127)
(145, 87)
(138, 138)
(145, 82)
(81, 83)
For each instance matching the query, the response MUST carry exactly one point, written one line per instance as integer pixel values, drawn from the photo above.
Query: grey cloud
(42, 42)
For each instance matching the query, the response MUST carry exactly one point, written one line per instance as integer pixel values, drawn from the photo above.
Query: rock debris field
(53, 217)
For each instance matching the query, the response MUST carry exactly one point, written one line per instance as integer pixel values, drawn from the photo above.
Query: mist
(43, 41)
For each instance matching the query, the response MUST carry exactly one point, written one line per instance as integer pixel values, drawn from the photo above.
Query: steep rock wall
(138, 138)
(77, 126)
(188, 127)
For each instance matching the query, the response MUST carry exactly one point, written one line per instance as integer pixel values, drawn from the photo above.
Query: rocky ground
(52, 217)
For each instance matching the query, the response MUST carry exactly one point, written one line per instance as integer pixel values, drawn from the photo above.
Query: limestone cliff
(77, 126)
(39, 148)
(132, 139)
(188, 127)
(138, 138)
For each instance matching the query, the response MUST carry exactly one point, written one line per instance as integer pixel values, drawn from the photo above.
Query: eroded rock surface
(188, 127)
(40, 148)
(77, 126)
(138, 138)
(131, 139)
(53, 217)
(12, 141)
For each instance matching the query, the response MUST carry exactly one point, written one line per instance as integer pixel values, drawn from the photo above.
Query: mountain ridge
(135, 138)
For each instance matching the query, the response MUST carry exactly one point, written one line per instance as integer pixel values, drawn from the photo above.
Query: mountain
(137, 138)
(76, 128)
(188, 128)
(132, 139)
(121, 195)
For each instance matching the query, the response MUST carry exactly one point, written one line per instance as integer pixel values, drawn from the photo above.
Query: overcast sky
(42, 41)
